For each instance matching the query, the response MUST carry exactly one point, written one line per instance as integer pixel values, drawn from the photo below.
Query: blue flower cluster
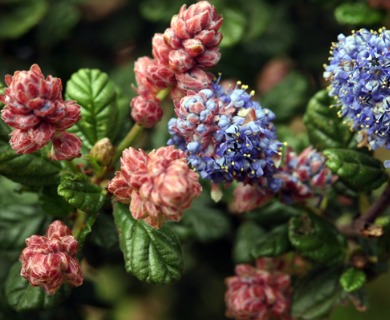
(227, 136)
(359, 75)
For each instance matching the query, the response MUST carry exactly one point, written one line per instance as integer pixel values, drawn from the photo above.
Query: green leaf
(316, 294)
(316, 239)
(28, 169)
(273, 243)
(259, 16)
(324, 128)
(80, 193)
(358, 14)
(206, 222)
(150, 255)
(233, 27)
(246, 237)
(18, 17)
(352, 279)
(274, 214)
(287, 99)
(96, 94)
(104, 233)
(53, 204)
(63, 16)
(357, 170)
(157, 10)
(21, 296)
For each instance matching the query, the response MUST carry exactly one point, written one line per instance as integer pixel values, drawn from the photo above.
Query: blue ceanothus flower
(227, 136)
(359, 75)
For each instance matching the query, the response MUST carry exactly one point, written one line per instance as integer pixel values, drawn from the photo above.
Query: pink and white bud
(196, 79)
(160, 185)
(258, 293)
(66, 146)
(160, 75)
(248, 197)
(160, 49)
(146, 110)
(209, 58)
(180, 61)
(49, 261)
(34, 107)
(141, 72)
(31, 140)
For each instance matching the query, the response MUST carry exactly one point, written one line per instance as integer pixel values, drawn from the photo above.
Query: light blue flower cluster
(359, 75)
(227, 136)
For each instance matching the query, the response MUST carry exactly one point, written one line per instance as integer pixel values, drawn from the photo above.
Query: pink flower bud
(256, 293)
(193, 47)
(50, 260)
(31, 140)
(35, 108)
(140, 70)
(196, 79)
(160, 186)
(146, 110)
(209, 58)
(160, 49)
(248, 197)
(66, 146)
(160, 75)
(180, 61)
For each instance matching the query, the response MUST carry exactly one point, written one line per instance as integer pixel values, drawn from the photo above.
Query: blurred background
(276, 47)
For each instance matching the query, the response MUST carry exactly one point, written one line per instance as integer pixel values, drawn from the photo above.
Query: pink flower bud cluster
(248, 197)
(158, 186)
(305, 177)
(35, 109)
(50, 260)
(258, 293)
(180, 56)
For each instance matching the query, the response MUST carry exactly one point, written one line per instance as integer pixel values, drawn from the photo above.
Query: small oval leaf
(324, 128)
(273, 243)
(357, 170)
(96, 94)
(150, 255)
(246, 237)
(352, 279)
(28, 169)
(80, 193)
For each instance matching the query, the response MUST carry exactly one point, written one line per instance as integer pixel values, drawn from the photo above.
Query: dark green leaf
(352, 279)
(259, 16)
(357, 170)
(21, 296)
(358, 14)
(18, 17)
(287, 99)
(157, 10)
(80, 193)
(316, 239)
(96, 94)
(104, 233)
(247, 235)
(324, 128)
(207, 223)
(233, 27)
(53, 204)
(274, 214)
(28, 169)
(316, 294)
(273, 243)
(63, 16)
(151, 255)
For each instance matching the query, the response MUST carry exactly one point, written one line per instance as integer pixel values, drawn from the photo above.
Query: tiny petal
(66, 146)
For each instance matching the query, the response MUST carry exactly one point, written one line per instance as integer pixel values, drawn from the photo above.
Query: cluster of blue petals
(359, 75)
(227, 136)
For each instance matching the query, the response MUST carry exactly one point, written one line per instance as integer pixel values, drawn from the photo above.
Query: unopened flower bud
(66, 146)
(146, 110)
(258, 293)
(160, 75)
(49, 261)
(102, 151)
(159, 186)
